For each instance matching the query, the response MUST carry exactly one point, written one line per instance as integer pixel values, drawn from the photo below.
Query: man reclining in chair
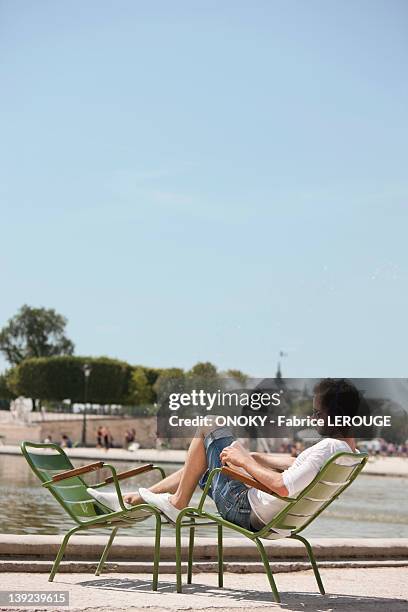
(287, 476)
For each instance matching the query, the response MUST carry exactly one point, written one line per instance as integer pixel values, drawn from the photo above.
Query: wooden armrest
(129, 473)
(251, 482)
(77, 471)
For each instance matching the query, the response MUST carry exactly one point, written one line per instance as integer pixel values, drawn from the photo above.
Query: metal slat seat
(333, 478)
(68, 487)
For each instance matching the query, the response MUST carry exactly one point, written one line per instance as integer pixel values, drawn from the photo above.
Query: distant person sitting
(130, 436)
(65, 441)
(99, 437)
(107, 439)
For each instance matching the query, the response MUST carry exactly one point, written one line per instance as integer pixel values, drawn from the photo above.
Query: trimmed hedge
(59, 378)
(111, 381)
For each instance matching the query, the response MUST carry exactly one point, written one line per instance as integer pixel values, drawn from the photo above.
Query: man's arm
(233, 455)
(276, 463)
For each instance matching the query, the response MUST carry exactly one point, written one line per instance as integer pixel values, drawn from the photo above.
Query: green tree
(203, 370)
(204, 375)
(237, 376)
(34, 332)
(171, 380)
(140, 389)
(5, 391)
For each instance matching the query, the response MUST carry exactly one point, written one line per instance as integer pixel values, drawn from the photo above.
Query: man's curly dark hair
(338, 397)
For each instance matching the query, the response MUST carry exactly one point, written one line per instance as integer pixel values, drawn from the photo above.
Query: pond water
(372, 507)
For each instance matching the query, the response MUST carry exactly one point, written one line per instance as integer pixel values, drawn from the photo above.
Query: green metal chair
(298, 513)
(57, 474)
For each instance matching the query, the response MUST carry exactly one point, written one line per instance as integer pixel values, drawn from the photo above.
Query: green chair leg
(220, 558)
(156, 560)
(268, 570)
(61, 552)
(313, 562)
(178, 558)
(190, 553)
(105, 552)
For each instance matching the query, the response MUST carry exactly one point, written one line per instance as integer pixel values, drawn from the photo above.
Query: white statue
(20, 409)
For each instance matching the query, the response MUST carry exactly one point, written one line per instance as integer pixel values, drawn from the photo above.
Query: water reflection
(371, 507)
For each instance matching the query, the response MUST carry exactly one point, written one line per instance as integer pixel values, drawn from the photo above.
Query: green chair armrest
(129, 473)
(91, 467)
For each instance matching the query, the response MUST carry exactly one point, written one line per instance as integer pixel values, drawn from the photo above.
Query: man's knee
(203, 430)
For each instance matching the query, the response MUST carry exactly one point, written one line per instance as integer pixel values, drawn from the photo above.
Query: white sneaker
(161, 502)
(110, 500)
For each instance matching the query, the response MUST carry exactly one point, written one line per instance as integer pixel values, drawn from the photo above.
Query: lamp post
(87, 372)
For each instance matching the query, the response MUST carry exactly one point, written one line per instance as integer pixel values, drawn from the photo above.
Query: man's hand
(237, 456)
(234, 455)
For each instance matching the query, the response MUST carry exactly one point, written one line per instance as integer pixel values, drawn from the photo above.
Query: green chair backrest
(333, 478)
(70, 493)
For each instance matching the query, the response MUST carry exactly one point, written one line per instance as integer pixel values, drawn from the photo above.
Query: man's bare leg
(183, 482)
(194, 468)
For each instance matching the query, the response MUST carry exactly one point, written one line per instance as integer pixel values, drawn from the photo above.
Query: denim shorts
(230, 496)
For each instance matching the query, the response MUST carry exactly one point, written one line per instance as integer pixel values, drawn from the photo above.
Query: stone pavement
(357, 590)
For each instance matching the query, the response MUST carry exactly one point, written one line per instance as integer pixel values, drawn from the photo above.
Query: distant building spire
(278, 375)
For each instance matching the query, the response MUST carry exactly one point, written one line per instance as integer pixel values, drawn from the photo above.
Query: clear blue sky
(212, 180)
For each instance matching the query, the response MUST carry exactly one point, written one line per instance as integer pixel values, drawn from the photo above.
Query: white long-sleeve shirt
(295, 478)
